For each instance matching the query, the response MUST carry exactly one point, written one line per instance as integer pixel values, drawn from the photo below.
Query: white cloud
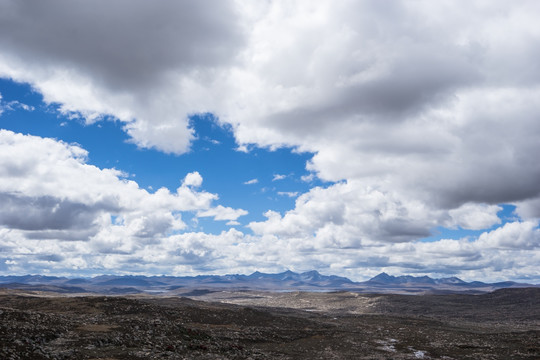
(222, 213)
(346, 215)
(401, 104)
(120, 67)
(515, 235)
(290, 194)
(428, 111)
(307, 178)
(278, 177)
(475, 216)
(48, 191)
(251, 182)
(13, 105)
(193, 179)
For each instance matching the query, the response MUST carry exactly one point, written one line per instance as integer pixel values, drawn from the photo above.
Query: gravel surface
(501, 325)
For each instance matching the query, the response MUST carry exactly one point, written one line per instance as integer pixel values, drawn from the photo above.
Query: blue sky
(348, 138)
(214, 154)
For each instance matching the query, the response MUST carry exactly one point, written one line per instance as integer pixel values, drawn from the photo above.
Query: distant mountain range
(285, 281)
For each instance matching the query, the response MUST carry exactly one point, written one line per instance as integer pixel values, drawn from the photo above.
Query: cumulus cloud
(118, 59)
(193, 179)
(475, 216)
(45, 213)
(345, 215)
(40, 192)
(516, 235)
(438, 123)
(396, 90)
(352, 80)
(223, 213)
(424, 114)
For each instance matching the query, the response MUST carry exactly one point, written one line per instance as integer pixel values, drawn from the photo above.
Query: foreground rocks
(503, 325)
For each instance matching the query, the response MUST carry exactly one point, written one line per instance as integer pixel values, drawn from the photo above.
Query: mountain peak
(288, 279)
(288, 275)
(382, 277)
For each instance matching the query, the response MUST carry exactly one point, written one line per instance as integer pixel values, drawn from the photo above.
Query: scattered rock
(107, 328)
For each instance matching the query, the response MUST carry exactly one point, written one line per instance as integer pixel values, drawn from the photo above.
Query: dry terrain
(267, 325)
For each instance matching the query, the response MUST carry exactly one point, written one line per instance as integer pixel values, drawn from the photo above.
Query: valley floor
(259, 325)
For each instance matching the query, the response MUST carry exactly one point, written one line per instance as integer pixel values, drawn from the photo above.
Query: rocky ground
(257, 325)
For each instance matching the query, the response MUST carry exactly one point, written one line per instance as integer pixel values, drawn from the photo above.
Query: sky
(221, 137)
